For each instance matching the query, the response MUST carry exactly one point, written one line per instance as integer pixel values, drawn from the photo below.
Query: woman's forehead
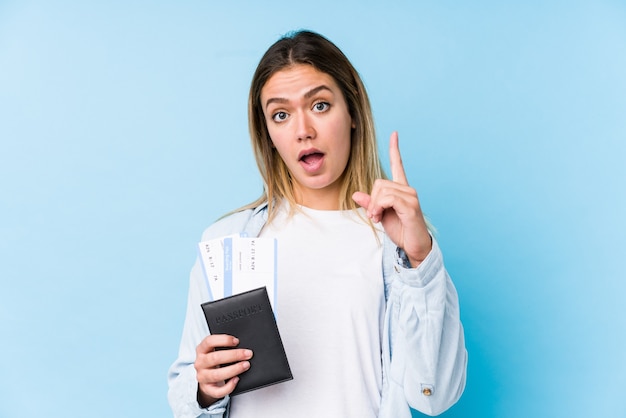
(296, 80)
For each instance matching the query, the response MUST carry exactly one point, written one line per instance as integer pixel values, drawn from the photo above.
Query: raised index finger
(397, 169)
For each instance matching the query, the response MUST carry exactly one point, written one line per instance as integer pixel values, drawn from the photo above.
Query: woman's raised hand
(395, 205)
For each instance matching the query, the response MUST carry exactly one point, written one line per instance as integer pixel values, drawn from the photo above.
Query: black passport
(249, 317)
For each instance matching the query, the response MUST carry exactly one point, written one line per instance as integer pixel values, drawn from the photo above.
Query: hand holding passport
(249, 317)
(245, 268)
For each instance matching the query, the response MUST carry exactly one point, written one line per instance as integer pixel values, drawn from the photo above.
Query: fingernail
(248, 353)
(235, 340)
(246, 365)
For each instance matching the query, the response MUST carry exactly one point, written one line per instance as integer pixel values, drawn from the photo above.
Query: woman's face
(309, 124)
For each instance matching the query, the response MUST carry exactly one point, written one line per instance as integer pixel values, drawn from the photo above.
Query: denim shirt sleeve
(424, 356)
(183, 385)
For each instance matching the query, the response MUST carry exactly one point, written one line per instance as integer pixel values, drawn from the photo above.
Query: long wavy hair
(363, 167)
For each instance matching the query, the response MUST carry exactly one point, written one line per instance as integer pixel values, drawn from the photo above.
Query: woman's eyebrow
(275, 100)
(307, 95)
(316, 90)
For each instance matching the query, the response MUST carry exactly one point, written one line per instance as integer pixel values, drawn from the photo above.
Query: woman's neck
(322, 199)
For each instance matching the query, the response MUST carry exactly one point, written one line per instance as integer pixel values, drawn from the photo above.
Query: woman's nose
(305, 128)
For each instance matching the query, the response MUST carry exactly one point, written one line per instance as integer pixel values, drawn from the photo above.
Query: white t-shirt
(330, 311)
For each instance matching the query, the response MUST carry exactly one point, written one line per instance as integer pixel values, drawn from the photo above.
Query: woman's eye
(321, 106)
(279, 116)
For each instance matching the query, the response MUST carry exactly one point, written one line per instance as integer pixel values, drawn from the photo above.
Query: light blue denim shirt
(424, 357)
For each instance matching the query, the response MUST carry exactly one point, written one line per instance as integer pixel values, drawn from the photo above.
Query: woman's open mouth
(311, 160)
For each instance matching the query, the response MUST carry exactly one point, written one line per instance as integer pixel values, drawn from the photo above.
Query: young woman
(368, 314)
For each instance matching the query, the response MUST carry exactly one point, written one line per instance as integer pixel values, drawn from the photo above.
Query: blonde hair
(363, 167)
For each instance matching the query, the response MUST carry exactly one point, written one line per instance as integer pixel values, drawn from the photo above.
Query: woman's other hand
(217, 370)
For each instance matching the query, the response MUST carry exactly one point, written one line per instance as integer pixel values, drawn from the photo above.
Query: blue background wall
(122, 123)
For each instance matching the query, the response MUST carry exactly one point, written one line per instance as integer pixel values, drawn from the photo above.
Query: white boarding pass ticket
(212, 257)
(235, 264)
